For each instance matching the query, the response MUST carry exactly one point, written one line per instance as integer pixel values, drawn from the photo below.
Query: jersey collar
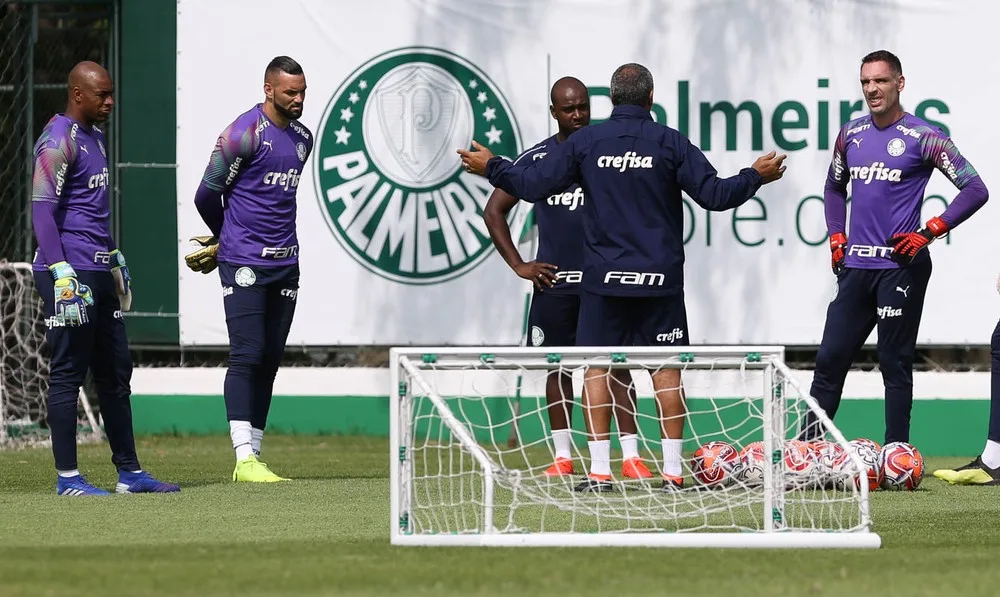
(631, 111)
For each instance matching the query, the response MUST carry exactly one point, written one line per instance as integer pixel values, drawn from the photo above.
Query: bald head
(91, 93)
(570, 105)
(566, 85)
(86, 73)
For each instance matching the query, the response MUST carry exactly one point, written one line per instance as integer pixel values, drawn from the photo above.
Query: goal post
(24, 363)
(457, 479)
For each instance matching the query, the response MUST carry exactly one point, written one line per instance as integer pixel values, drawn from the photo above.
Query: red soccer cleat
(635, 468)
(560, 468)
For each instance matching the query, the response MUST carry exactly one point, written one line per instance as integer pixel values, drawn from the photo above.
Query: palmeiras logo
(390, 184)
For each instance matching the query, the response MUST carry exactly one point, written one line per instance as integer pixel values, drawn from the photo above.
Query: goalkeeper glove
(204, 259)
(123, 280)
(906, 246)
(71, 297)
(838, 242)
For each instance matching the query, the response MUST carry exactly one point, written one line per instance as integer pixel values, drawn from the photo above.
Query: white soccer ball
(870, 458)
(870, 442)
(750, 471)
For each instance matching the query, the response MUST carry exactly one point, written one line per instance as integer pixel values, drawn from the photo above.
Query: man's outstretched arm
(701, 181)
(534, 181)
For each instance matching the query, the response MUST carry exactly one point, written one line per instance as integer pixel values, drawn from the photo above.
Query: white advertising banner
(393, 246)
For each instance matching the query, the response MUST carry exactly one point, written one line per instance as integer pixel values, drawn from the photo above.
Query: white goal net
(24, 364)
(470, 447)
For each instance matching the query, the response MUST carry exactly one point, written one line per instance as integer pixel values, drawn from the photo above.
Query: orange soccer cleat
(559, 468)
(635, 468)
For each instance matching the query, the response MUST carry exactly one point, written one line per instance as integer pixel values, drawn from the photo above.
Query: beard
(287, 112)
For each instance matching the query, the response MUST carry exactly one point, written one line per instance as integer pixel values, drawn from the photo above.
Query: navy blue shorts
(260, 304)
(632, 321)
(552, 319)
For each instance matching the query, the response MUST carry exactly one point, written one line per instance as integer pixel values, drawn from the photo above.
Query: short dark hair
(631, 84)
(884, 56)
(282, 64)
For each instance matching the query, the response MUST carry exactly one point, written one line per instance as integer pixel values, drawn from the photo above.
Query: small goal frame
(408, 363)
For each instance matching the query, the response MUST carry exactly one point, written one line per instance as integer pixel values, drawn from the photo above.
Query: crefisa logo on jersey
(390, 185)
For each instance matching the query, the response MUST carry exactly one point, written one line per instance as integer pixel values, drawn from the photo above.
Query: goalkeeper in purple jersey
(248, 200)
(881, 261)
(84, 284)
(556, 274)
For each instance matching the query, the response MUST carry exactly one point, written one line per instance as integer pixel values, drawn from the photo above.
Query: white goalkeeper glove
(71, 297)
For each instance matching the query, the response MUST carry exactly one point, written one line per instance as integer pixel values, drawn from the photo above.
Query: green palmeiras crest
(389, 182)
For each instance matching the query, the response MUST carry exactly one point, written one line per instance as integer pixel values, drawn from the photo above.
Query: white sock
(68, 474)
(991, 454)
(561, 441)
(600, 457)
(630, 445)
(672, 456)
(240, 432)
(256, 435)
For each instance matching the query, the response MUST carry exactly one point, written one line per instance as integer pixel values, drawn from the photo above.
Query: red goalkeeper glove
(906, 246)
(838, 243)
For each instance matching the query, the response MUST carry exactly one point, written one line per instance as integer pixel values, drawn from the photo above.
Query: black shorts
(552, 319)
(632, 321)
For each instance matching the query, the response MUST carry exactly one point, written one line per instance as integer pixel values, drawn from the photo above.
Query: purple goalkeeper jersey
(560, 227)
(888, 170)
(256, 167)
(71, 176)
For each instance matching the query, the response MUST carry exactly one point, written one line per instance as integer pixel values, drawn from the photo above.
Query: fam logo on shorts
(245, 277)
(391, 186)
(537, 336)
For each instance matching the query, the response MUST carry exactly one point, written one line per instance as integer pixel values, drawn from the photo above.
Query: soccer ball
(874, 444)
(831, 461)
(800, 456)
(902, 466)
(800, 464)
(870, 458)
(714, 463)
(752, 462)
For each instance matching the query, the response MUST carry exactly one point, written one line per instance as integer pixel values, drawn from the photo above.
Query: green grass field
(327, 533)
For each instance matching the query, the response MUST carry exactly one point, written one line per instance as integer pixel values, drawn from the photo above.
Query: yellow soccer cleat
(946, 474)
(251, 470)
(974, 473)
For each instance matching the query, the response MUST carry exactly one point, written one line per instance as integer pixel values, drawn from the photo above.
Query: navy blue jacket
(632, 171)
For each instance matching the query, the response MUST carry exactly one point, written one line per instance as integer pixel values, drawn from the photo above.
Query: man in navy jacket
(632, 171)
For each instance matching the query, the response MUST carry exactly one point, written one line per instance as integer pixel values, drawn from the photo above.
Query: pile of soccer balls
(819, 464)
